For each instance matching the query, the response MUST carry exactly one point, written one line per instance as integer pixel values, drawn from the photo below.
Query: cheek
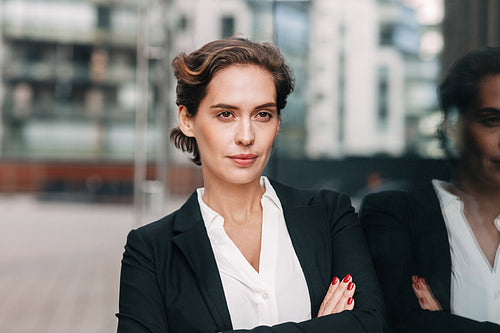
(270, 136)
(480, 144)
(212, 138)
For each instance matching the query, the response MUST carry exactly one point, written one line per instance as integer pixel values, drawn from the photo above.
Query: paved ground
(59, 265)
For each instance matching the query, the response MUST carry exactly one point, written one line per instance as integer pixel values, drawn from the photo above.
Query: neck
(484, 197)
(234, 202)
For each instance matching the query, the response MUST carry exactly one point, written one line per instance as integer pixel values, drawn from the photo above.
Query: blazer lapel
(301, 215)
(433, 247)
(193, 241)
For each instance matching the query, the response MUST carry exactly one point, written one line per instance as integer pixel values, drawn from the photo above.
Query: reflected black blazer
(407, 235)
(170, 281)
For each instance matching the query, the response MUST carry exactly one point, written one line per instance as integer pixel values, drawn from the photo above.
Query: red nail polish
(350, 286)
(350, 300)
(417, 285)
(335, 281)
(422, 300)
(347, 278)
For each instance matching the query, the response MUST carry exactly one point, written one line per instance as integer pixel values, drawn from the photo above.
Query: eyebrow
(489, 109)
(232, 107)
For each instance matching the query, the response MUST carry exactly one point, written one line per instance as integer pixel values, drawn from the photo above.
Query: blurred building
(68, 73)
(75, 74)
(343, 60)
(467, 25)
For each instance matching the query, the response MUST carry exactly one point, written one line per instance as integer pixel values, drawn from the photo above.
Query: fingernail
(350, 300)
(350, 286)
(347, 278)
(417, 285)
(335, 281)
(422, 300)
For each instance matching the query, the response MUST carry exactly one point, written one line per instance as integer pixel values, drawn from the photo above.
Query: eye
(490, 121)
(264, 116)
(225, 115)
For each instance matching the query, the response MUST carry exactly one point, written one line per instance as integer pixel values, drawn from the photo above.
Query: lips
(243, 159)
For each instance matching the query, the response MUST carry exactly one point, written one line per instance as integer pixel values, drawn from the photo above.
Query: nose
(245, 133)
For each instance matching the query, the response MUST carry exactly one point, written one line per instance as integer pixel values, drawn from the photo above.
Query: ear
(185, 121)
(451, 129)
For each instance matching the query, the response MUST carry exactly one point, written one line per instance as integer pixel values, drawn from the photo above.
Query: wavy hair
(195, 70)
(459, 89)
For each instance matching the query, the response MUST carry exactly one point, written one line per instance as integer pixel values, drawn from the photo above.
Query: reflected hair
(459, 89)
(195, 70)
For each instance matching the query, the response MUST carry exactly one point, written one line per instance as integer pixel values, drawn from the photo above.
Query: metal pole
(164, 107)
(1, 82)
(141, 113)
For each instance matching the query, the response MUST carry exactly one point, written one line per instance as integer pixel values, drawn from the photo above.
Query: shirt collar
(270, 193)
(448, 198)
(210, 216)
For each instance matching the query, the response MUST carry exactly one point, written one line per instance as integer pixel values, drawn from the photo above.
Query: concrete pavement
(59, 264)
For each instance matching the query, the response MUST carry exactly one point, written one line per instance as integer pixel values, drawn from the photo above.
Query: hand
(338, 297)
(424, 294)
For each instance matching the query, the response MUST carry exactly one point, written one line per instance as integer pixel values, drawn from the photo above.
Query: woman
(245, 253)
(436, 251)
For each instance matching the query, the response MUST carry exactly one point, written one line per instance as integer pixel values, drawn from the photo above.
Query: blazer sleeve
(386, 219)
(349, 255)
(141, 307)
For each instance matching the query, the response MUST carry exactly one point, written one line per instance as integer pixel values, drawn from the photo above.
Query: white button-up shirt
(278, 292)
(475, 285)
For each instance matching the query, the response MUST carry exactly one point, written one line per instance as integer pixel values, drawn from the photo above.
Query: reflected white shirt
(475, 285)
(278, 292)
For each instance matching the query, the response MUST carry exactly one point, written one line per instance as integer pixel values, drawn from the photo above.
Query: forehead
(243, 79)
(239, 69)
(489, 91)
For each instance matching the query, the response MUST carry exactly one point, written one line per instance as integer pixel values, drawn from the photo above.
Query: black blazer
(407, 235)
(170, 281)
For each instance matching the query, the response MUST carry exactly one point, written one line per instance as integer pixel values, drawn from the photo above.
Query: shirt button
(265, 296)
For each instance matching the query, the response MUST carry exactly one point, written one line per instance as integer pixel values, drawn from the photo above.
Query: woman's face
(235, 125)
(479, 142)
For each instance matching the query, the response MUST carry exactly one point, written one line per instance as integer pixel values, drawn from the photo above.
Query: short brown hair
(459, 89)
(195, 70)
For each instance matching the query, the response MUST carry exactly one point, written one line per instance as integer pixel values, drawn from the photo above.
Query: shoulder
(306, 196)
(386, 199)
(335, 204)
(397, 208)
(396, 200)
(169, 225)
(154, 233)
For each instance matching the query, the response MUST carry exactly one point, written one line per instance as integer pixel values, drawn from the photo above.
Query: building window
(227, 25)
(383, 98)
(182, 24)
(103, 17)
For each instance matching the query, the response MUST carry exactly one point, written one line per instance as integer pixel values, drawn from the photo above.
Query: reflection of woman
(438, 249)
(244, 251)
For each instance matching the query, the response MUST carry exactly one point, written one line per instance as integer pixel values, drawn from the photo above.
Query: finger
(332, 302)
(423, 303)
(417, 289)
(432, 303)
(343, 302)
(331, 290)
(350, 304)
(423, 292)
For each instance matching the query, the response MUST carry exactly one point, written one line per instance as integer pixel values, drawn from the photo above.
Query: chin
(242, 178)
